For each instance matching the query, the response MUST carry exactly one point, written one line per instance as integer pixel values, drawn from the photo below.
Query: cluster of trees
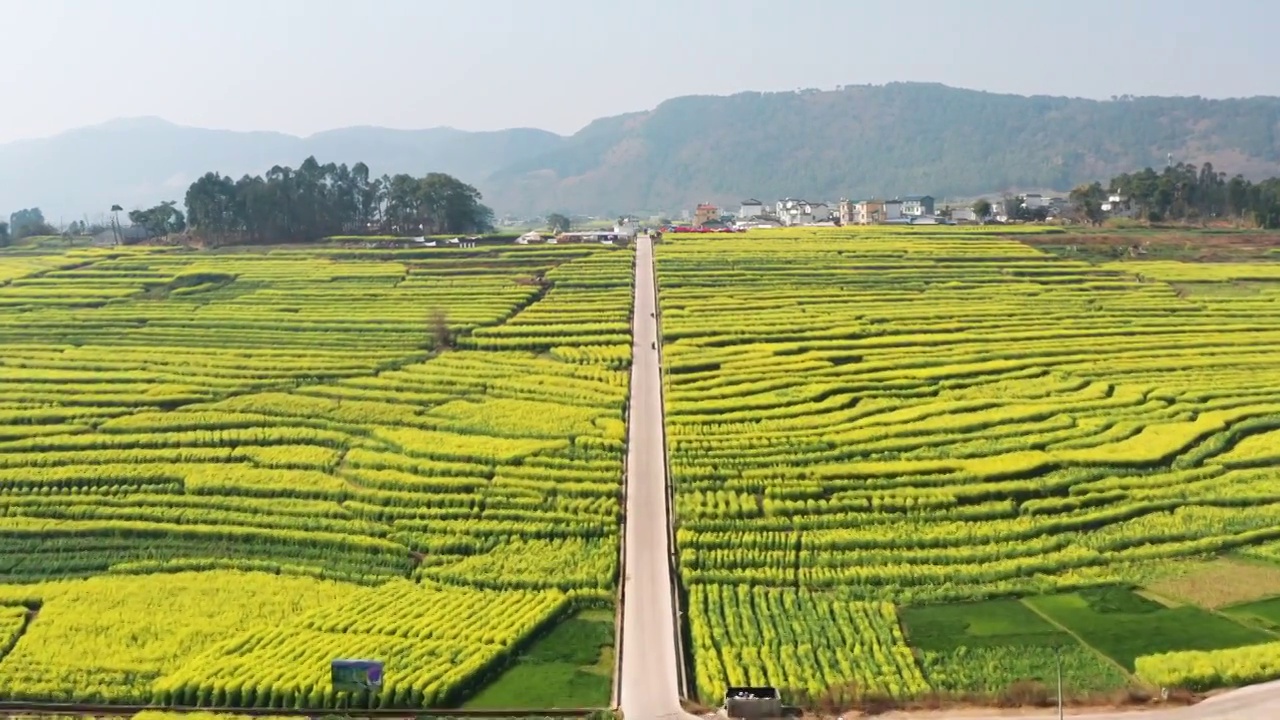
(26, 223)
(1183, 192)
(558, 223)
(162, 219)
(316, 201)
(30, 222)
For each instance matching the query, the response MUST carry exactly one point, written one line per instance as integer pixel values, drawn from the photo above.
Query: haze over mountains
(897, 139)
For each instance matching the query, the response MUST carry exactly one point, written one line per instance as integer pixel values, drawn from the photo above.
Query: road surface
(649, 687)
(1256, 702)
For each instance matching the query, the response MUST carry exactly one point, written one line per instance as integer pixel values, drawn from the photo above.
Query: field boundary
(677, 589)
(27, 619)
(14, 707)
(1124, 670)
(615, 692)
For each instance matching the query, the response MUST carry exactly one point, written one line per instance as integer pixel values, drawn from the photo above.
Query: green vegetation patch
(990, 623)
(1124, 625)
(990, 647)
(570, 666)
(1265, 613)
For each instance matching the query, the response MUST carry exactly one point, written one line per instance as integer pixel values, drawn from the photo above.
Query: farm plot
(1126, 626)
(952, 417)
(358, 420)
(983, 647)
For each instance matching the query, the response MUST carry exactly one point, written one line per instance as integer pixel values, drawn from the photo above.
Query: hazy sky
(300, 66)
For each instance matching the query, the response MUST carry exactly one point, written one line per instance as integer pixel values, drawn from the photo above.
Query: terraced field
(861, 420)
(220, 471)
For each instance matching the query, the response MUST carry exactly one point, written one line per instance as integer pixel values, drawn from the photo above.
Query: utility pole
(1057, 659)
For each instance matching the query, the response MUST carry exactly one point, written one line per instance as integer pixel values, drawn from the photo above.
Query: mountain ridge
(856, 140)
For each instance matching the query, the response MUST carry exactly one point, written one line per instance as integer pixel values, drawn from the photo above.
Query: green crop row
(220, 471)
(884, 416)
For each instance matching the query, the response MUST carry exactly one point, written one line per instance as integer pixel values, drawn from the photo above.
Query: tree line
(24, 223)
(1185, 193)
(316, 201)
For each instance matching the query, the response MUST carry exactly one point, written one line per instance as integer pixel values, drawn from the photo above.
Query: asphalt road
(649, 687)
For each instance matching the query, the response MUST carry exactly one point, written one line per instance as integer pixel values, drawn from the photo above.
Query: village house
(917, 205)
(704, 214)
(1119, 206)
(847, 212)
(866, 212)
(892, 211)
(800, 212)
(870, 211)
(751, 209)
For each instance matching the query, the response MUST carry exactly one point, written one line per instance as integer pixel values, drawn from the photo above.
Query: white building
(801, 212)
(1119, 206)
(1034, 200)
(917, 205)
(626, 227)
(964, 215)
(1114, 202)
(751, 209)
(798, 212)
(892, 211)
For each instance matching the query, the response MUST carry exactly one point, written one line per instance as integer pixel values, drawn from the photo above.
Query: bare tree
(441, 335)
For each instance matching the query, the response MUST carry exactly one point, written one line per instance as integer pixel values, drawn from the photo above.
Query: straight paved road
(649, 687)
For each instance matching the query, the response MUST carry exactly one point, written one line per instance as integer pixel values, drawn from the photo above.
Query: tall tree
(4, 234)
(115, 224)
(982, 209)
(213, 205)
(557, 223)
(1088, 201)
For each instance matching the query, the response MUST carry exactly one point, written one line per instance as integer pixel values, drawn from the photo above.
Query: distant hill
(896, 139)
(141, 161)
